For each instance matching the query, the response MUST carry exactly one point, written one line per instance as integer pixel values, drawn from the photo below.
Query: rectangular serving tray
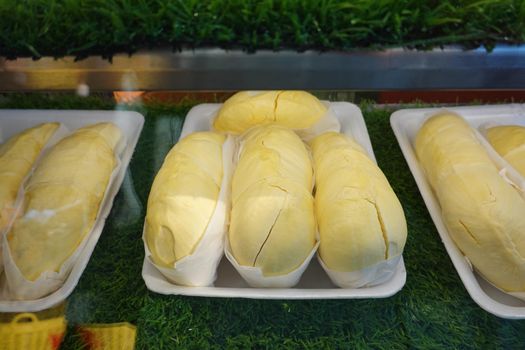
(314, 283)
(131, 123)
(406, 123)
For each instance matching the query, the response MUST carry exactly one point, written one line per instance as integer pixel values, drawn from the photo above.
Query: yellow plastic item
(115, 336)
(33, 335)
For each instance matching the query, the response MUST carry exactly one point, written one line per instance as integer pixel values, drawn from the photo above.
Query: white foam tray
(131, 123)
(314, 283)
(406, 123)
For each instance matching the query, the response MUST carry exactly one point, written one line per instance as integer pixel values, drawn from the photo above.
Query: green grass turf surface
(432, 311)
(92, 27)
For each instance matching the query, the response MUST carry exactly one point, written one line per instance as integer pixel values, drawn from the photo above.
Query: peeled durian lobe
(272, 223)
(483, 213)
(509, 142)
(246, 109)
(361, 222)
(183, 197)
(62, 199)
(17, 157)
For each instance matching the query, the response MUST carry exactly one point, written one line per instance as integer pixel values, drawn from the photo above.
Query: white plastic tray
(13, 121)
(406, 123)
(314, 283)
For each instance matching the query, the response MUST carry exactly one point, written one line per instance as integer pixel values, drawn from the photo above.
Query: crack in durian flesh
(273, 224)
(467, 230)
(275, 103)
(382, 225)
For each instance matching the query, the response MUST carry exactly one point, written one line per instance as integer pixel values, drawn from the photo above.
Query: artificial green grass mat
(432, 311)
(91, 27)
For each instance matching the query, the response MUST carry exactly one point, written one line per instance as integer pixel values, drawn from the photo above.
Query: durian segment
(262, 156)
(298, 109)
(183, 197)
(273, 226)
(245, 109)
(509, 142)
(483, 213)
(17, 156)
(62, 199)
(361, 222)
(272, 223)
(199, 144)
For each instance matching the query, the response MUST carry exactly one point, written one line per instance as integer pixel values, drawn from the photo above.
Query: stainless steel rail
(217, 69)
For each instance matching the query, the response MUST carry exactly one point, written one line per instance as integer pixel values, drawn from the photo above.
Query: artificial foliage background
(104, 27)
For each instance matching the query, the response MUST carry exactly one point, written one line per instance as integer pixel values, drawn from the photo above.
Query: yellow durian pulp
(261, 157)
(245, 109)
(62, 199)
(272, 224)
(361, 222)
(17, 156)
(183, 197)
(509, 142)
(483, 213)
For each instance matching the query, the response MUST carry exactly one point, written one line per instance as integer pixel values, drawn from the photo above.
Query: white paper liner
(200, 268)
(59, 133)
(368, 277)
(254, 275)
(519, 295)
(20, 288)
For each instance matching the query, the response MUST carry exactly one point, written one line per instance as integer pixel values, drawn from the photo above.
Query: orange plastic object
(26, 331)
(115, 336)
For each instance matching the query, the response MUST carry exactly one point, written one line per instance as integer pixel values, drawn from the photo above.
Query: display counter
(433, 310)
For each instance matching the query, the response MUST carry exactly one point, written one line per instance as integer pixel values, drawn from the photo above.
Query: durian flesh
(509, 142)
(361, 222)
(17, 156)
(262, 156)
(62, 199)
(245, 109)
(272, 223)
(183, 197)
(483, 213)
